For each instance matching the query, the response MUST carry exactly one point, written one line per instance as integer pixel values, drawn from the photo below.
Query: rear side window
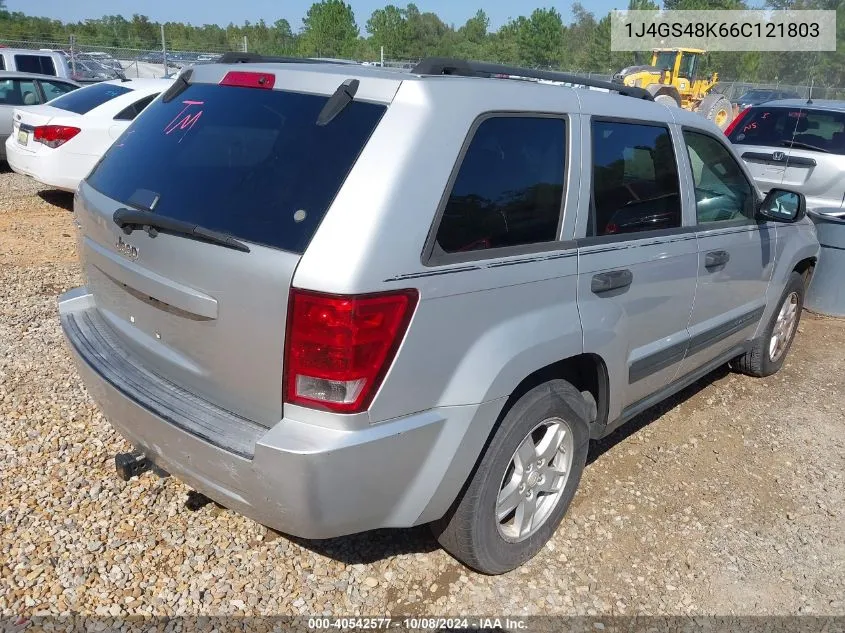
(250, 163)
(39, 64)
(130, 112)
(635, 179)
(53, 89)
(509, 188)
(2, 63)
(86, 99)
(802, 128)
(18, 92)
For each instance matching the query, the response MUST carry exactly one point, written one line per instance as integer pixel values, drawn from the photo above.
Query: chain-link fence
(89, 62)
(733, 90)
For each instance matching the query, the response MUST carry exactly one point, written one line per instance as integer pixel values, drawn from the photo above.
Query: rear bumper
(305, 480)
(61, 170)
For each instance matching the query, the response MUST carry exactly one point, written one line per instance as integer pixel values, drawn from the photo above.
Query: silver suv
(796, 143)
(339, 298)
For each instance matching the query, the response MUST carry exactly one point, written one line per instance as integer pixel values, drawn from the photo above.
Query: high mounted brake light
(243, 79)
(339, 348)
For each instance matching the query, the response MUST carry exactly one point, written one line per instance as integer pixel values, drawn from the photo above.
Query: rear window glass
(806, 129)
(39, 64)
(250, 163)
(86, 99)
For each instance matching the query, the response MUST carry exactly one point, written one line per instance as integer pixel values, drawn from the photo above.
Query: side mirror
(782, 205)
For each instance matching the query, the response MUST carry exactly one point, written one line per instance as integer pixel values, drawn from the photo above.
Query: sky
(200, 12)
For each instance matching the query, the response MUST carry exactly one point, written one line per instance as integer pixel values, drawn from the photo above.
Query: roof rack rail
(255, 58)
(465, 68)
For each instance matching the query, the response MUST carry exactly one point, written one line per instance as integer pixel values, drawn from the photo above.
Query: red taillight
(54, 135)
(733, 124)
(242, 79)
(339, 348)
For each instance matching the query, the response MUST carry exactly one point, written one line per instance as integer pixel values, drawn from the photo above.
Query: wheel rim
(721, 117)
(534, 480)
(784, 327)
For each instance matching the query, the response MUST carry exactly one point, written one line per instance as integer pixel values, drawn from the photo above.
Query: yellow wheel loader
(673, 78)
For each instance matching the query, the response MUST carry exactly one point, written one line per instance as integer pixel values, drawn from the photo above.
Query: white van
(35, 61)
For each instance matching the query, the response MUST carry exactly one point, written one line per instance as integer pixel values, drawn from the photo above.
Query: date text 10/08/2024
(416, 623)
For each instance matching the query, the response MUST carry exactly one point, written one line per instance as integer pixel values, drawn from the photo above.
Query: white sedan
(58, 143)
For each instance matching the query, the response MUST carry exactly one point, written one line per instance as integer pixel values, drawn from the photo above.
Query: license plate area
(23, 137)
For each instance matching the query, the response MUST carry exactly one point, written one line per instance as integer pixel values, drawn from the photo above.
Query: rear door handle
(611, 280)
(715, 259)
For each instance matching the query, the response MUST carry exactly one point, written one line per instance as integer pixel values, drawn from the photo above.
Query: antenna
(812, 78)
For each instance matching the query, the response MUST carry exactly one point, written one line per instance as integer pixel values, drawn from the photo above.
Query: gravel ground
(729, 499)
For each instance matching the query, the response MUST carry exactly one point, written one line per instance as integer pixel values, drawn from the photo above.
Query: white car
(59, 142)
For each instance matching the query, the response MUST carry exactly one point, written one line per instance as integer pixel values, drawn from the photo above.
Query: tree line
(541, 39)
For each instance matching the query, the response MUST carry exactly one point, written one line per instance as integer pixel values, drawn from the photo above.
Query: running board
(669, 390)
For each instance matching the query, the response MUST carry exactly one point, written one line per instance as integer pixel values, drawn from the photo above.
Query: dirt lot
(730, 499)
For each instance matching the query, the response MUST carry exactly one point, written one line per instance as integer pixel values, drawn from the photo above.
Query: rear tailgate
(251, 163)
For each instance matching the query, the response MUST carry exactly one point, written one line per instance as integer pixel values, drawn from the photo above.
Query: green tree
(475, 29)
(540, 38)
(578, 36)
(427, 33)
(389, 28)
(329, 29)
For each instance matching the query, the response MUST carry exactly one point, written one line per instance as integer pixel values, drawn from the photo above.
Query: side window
(53, 89)
(509, 188)
(18, 92)
(39, 64)
(722, 192)
(2, 63)
(130, 112)
(635, 179)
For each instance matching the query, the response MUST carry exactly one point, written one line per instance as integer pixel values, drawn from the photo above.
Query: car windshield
(86, 99)
(782, 127)
(665, 61)
(250, 163)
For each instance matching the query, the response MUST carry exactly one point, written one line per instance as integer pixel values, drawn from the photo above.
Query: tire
(667, 100)
(716, 107)
(471, 530)
(761, 361)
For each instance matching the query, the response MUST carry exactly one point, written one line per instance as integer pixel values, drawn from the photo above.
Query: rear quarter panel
(481, 326)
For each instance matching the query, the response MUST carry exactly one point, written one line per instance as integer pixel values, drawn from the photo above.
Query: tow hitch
(129, 465)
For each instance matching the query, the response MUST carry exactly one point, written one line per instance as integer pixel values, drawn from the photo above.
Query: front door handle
(716, 259)
(611, 280)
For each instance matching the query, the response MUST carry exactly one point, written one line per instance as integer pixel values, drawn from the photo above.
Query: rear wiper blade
(805, 146)
(132, 219)
(341, 98)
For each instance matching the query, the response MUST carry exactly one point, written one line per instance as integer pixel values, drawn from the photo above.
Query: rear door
(248, 162)
(14, 93)
(637, 262)
(801, 148)
(736, 252)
